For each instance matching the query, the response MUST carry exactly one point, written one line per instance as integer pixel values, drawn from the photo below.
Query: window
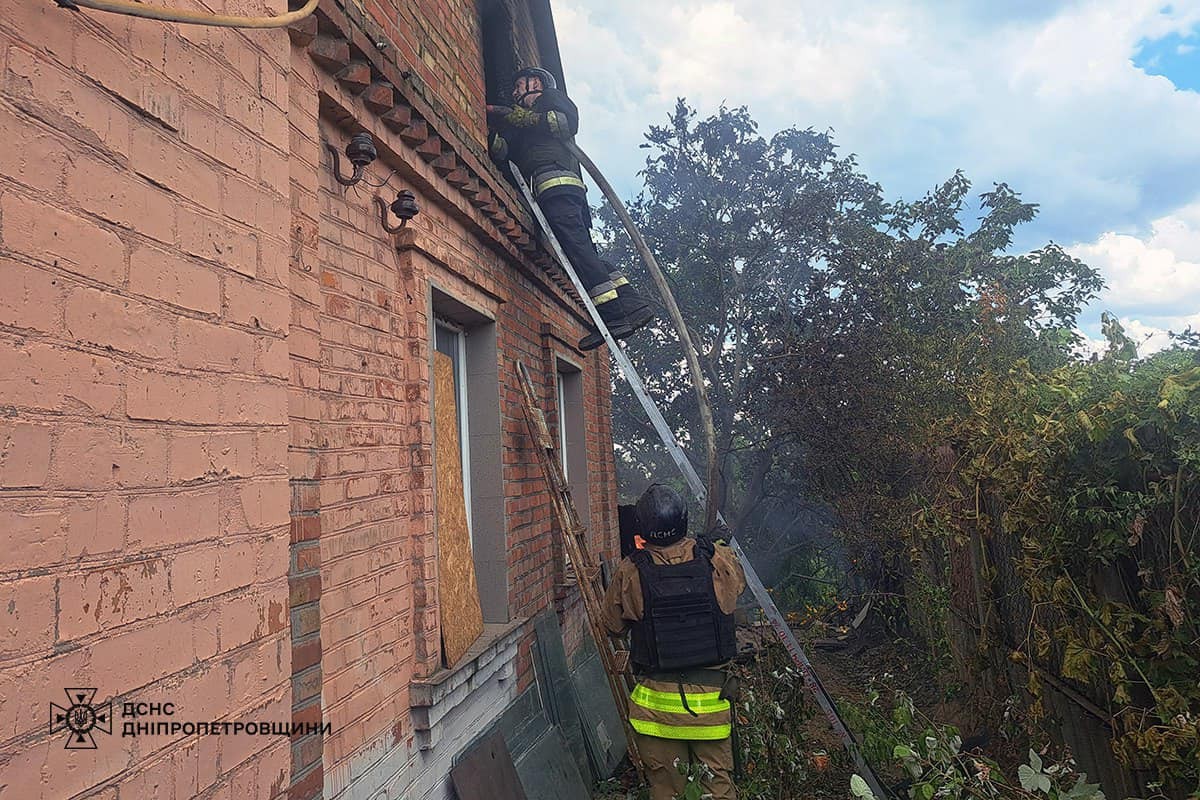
(562, 427)
(468, 337)
(499, 51)
(572, 435)
(450, 339)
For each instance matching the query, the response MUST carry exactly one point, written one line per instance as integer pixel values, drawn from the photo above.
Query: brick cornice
(342, 49)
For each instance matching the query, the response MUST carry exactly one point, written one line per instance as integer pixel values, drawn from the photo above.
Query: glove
(496, 115)
(520, 117)
(499, 149)
(719, 534)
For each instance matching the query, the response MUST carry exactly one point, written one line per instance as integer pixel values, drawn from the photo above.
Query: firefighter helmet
(662, 515)
(547, 79)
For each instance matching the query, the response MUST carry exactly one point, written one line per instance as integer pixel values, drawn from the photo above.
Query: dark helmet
(548, 81)
(662, 515)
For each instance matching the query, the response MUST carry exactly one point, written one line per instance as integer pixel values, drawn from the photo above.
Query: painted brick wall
(215, 437)
(373, 402)
(378, 547)
(305, 416)
(143, 397)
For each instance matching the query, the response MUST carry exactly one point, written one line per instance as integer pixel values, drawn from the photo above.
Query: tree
(736, 222)
(820, 312)
(892, 334)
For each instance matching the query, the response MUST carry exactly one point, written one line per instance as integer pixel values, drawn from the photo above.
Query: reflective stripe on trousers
(665, 715)
(694, 733)
(554, 180)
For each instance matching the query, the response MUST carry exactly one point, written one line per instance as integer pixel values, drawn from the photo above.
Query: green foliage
(1094, 470)
(912, 375)
(807, 584)
(893, 328)
(694, 774)
(770, 712)
(931, 758)
(736, 220)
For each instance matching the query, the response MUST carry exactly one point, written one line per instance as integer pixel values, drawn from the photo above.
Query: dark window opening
(499, 51)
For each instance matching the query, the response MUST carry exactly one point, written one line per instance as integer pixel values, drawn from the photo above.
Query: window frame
(461, 408)
(479, 397)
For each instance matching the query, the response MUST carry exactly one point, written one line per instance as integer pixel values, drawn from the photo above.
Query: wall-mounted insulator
(404, 206)
(361, 152)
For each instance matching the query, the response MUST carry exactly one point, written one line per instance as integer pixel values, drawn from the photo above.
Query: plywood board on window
(458, 594)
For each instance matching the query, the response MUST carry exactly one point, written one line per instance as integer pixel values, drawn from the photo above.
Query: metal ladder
(753, 582)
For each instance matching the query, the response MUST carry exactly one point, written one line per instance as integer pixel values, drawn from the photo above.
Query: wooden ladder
(572, 529)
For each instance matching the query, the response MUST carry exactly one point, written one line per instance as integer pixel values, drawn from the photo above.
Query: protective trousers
(660, 755)
(569, 218)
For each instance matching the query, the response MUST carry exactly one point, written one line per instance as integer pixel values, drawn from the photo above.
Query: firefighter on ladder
(533, 133)
(677, 596)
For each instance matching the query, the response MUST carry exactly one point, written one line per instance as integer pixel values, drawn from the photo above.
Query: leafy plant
(1091, 473)
(935, 766)
(694, 774)
(770, 711)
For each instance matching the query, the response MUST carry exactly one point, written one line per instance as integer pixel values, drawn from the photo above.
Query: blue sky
(1089, 108)
(1175, 57)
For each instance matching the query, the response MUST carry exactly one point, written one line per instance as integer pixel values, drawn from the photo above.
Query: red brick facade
(215, 424)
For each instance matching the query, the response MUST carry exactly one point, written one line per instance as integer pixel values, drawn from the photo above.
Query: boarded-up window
(572, 434)
(466, 338)
(449, 341)
(458, 592)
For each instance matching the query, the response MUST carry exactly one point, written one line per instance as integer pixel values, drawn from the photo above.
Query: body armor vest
(682, 625)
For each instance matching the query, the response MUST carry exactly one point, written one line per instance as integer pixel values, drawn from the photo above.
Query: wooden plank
(487, 773)
(458, 594)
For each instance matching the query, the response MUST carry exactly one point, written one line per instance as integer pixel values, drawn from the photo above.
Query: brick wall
(215, 437)
(143, 380)
(375, 436)
(524, 39)
(305, 413)
(436, 47)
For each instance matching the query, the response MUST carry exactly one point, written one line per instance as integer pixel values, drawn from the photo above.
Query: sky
(1089, 108)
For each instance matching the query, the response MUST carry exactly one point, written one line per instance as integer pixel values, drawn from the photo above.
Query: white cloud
(1156, 276)
(1042, 95)
(1149, 338)
(1153, 279)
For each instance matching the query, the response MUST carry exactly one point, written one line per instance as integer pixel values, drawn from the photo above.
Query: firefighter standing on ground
(533, 134)
(677, 595)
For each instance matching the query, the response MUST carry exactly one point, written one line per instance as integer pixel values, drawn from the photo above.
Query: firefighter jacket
(692, 704)
(536, 141)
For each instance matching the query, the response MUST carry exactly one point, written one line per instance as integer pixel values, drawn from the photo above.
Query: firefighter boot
(621, 307)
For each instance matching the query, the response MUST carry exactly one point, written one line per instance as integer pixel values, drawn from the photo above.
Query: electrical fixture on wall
(404, 206)
(361, 152)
